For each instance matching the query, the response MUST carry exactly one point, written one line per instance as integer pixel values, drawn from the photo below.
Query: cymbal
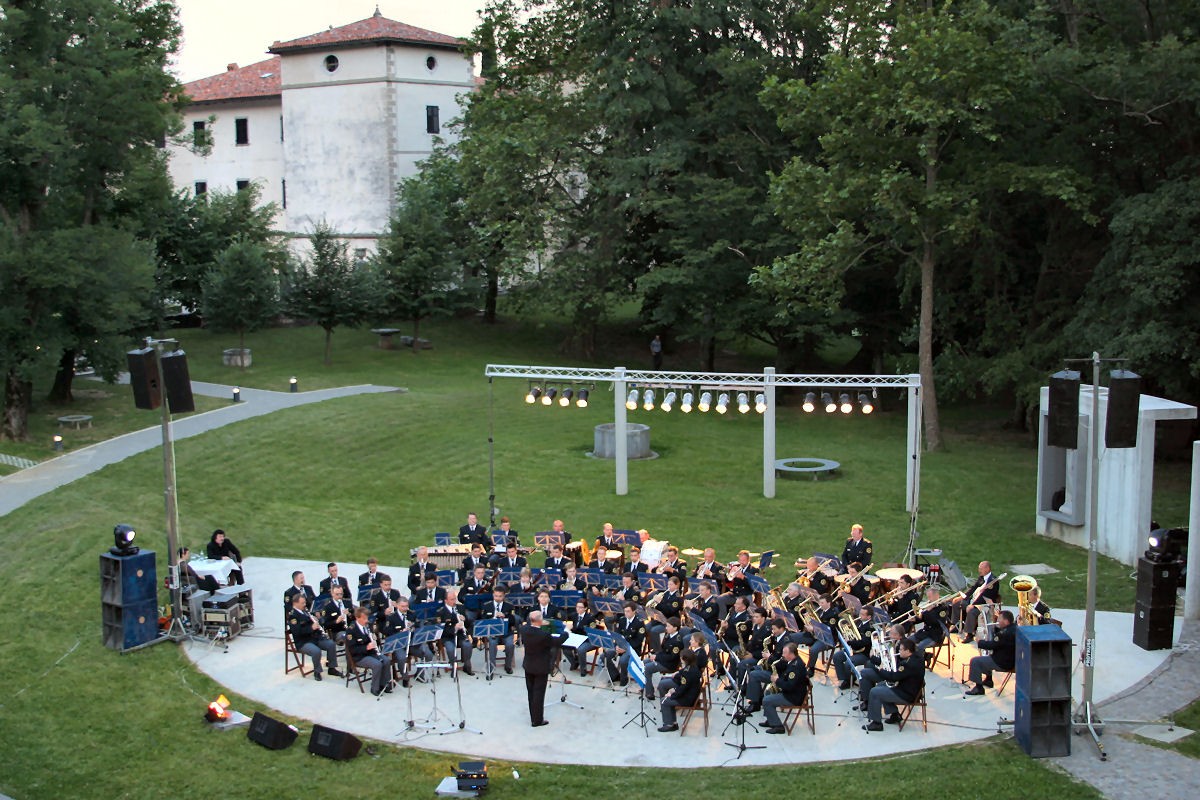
(756, 555)
(692, 551)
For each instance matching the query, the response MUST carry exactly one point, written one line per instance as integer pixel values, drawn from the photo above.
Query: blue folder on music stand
(652, 582)
(759, 585)
(441, 539)
(880, 616)
(320, 602)
(789, 619)
(606, 605)
(835, 563)
(489, 628)
(592, 576)
(474, 601)
(824, 634)
(509, 576)
(396, 643)
(612, 582)
(545, 539)
(627, 537)
(425, 611)
(447, 578)
(567, 598)
(364, 592)
(522, 600)
(551, 577)
(599, 638)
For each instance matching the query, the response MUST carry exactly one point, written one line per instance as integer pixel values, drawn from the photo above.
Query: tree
(329, 289)
(420, 262)
(241, 291)
(914, 118)
(85, 96)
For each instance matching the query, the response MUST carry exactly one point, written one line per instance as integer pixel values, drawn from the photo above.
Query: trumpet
(883, 600)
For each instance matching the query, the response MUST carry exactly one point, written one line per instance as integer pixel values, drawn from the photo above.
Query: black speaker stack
(1154, 615)
(338, 745)
(148, 384)
(1124, 396)
(1043, 722)
(1062, 417)
(270, 733)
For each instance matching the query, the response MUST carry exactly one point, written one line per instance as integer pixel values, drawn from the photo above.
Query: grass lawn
(1189, 746)
(378, 474)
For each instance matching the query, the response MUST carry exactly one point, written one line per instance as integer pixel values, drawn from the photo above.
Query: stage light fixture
(827, 401)
(581, 399)
(668, 402)
(743, 403)
(535, 392)
(123, 545)
(1166, 545)
(723, 403)
(631, 401)
(705, 401)
(845, 404)
(760, 403)
(564, 399)
(218, 709)
(548, 397)
(864, 402)
(648, 400)
(686, 405)
(810, 402)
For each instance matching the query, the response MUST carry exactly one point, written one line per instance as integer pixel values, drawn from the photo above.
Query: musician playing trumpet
(737, 577)
(985, 591)
(709, 569)
(672, 564)
(705, 607)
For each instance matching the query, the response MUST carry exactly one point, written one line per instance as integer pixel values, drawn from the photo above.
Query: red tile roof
(255, 80)
(374, 29)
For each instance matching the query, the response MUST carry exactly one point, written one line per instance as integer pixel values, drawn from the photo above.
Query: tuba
(1023, 585)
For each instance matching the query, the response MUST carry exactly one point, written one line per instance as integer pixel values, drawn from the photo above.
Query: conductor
(539, 648)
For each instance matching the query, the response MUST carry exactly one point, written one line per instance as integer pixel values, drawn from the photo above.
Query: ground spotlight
(534, 393)
(705, 401)
(218, 709)
(123, 545)
(668, 402)
(237, 394)
(743, 403)
(827, 401)
(864, 402)
(686, 405)
(548, 397)
(294, 384)
(631, 401)
(810, 402)
(723, 403)
(581, 398)
(760, 403)
(846, 406)
(564, 399)
(58, 442)
(648, 400)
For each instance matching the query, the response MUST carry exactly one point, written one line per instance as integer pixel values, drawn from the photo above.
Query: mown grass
(1189, 718)
(375, 475)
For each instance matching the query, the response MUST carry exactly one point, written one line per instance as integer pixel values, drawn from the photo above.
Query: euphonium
(1023, 585)
(848, 629)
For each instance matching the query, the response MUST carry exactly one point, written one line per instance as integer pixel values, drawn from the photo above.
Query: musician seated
(360, 644)
(608, 539)
(855, 583)
(558, 527)
(737, 579)
(420, 569)
(372, 576)
(636, 565)
(1041, 612)
(633, 630)
(511, 538)
(309, 638)
(906, 682)
(869, 674)
(905, 601)
(629, 591)
(859, 650)
(399, 619)
(500, 608)
(432, 593)
(602, 562)
(758, 635)
(827, 614)
(298, 587)
(578, 620)
(791, 680)
(666, 656)
(456, 637)
(336, 614)
(984, 592)
(221, 548)
(672, 564)
(705, 607)
(1003, 657)
(708, 569)
(548, 610)
(327, 583)
(476, 559)
(816, 578)
(933, 619)
(792, 598)
(474, 533)
(478, 583)
(684, 692)
(556, 559)
(510, 561)
(760, 676)
(698, 647)
(572, 581)
(189, 576)
(670, 603)
(524, 584)
(381, 599)
(736, 625)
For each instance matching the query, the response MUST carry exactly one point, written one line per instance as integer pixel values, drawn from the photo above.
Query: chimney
(231, 67)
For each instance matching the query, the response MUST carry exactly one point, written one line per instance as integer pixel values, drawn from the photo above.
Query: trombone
(923, 607)
(883, 600)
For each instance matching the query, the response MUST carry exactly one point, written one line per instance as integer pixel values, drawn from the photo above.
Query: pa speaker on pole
(143, 378)
(338, 745)
(1124, 394)
(177, 381)
(270, 733)
(1062, 417)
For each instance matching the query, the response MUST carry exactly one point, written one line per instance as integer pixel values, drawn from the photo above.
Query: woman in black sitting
(220, 547)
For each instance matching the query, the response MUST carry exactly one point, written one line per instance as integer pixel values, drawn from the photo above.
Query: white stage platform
(253, 667)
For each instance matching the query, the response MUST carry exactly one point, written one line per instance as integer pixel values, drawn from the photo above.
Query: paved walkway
(19, 488)
(1135, 769)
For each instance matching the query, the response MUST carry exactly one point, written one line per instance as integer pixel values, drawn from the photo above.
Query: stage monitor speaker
(270, 733)
(177, 382)
(1124, 395)
(1154, 627)
(334, 744)
(1062, 417)
(143, 378)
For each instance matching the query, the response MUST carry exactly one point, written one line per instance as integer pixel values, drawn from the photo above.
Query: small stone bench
(811, 468)
(76, 421)
(421, 344)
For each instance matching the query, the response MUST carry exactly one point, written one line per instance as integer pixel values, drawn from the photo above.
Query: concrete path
(19, 488)
(1134, 768)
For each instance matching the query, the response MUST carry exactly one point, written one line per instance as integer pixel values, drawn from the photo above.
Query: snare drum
(574, 551)
(890, 577)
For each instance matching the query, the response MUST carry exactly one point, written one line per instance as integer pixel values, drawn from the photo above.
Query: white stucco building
(329, 124)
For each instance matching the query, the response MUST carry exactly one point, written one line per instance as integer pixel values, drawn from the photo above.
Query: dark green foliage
(330, 290)
(241, 290)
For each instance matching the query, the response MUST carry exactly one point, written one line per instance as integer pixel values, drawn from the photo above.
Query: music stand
(880, 616)
(608, 606)
(652, 581)
(613, 583)
(320, 602)
(604, 641)
(764, 561)
(547, 539)
(509, 576)
(424, 611)
(552, 577)
(558, 626)
(364, 592)
(490, 629)
(441, 540)
(740, 716)
(637, 671)
(789, 619)
(758, 584)
(852, 603)
(398, 642)
(834, 564)
(627, 538)
(427, 635)
(566, 598)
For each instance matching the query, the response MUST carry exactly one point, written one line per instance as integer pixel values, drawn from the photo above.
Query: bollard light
(295, 384)
(237, 394)
(58, 442)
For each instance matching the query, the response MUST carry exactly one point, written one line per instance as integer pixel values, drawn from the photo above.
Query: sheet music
(575, 640)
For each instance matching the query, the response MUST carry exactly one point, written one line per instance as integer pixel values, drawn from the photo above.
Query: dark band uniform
(631, 595)
(740, 586)
(635, 633)
(578, 622)
(859, 653)
(559, 564)
(468, 566)
(379, 602)
(685, 691)
(933, 626)
(330, 614)
(1003, 657)
(666, 660)
(326, 586)
(792, 681)
(608, 566)
(859, 551)
(904, 604)
(358, 644)
(908, 678)
(488, 610)
(471, 586)
(708, 611)
(454, 640)
(715, 572)
(369, 578)
(468, 536)
(417, 574)
(426, 595)
(293, 590)
(821, 583)
(312, 640)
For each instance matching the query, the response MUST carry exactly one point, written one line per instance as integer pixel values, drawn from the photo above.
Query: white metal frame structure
(764, 383)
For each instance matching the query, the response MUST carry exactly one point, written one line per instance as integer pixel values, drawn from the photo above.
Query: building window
(198, 137)
(283, 191)
(360, 255)
(201, 188)
(432, 122)
(241, 131)
(243, 185)
(431, 63)
(331, 63)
